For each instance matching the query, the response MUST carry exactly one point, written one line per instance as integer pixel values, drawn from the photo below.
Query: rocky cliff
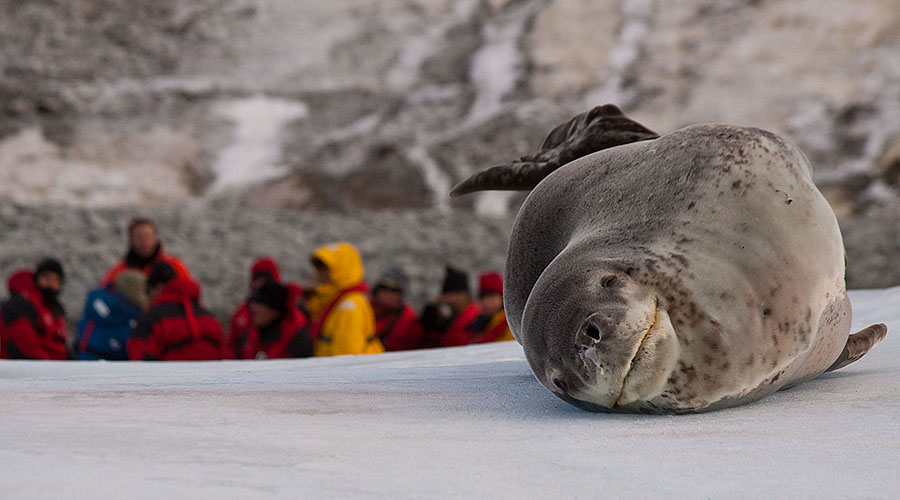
(350, 106)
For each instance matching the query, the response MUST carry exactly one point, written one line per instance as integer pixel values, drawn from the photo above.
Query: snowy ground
(464, 423)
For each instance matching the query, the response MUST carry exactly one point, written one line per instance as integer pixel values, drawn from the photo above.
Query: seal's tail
(859, 344)
(600, 128)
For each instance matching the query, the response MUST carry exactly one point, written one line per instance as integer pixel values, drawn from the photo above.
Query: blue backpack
(108, 320)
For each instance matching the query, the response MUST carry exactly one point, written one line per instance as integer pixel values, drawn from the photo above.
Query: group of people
(148, 307)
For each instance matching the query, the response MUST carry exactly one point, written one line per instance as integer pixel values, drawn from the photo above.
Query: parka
(288, 337)
(133, 261)
(342, 318)
(458, 333)
(399, 330)
(491, 328)
(31, 328)
(177, 327)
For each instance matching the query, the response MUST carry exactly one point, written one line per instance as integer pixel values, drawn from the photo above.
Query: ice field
(467, 422)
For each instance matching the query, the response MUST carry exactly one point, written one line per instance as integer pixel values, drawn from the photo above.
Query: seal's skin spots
(706, 261)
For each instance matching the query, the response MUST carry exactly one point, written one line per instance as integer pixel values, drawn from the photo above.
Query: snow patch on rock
(35, 170)
(254, 153)
(496, 66)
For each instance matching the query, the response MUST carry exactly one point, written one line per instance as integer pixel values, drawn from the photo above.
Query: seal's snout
(600, 330)
(596, 328)
(588, 345)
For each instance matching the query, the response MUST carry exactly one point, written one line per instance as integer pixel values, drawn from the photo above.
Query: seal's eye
(592, 332)
(609, 281)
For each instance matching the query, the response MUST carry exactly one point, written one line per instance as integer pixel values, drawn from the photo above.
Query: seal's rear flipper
(600, 128)
(858, 344)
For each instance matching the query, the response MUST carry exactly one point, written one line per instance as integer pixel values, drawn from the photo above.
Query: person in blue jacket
(110, 316)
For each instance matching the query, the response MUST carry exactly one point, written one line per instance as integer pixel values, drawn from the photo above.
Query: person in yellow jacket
(342, 318)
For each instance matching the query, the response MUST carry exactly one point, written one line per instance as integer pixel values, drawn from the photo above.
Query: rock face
(359, 105)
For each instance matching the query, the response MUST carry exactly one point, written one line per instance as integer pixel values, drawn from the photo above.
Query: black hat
(160, 274)
(455, 281)
(274, 295)
(49, 265)
(393, 279)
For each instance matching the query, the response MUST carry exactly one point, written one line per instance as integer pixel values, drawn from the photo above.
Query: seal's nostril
(558, 382)
(592, 332)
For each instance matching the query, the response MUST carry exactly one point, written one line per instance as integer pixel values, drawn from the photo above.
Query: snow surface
(460, 423)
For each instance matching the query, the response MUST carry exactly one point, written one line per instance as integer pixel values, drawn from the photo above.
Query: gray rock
(118, 104)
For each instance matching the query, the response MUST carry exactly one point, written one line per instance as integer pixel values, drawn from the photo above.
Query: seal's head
(597, 337)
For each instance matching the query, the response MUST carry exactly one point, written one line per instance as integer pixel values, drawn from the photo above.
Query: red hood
(179, 289)
(266, 265)
(22, 282)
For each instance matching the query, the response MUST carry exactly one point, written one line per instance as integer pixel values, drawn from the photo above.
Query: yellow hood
(344, 263)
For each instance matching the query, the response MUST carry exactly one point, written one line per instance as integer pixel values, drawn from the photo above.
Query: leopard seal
(688, 272)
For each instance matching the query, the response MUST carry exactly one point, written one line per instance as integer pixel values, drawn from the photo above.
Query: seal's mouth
(644, 336)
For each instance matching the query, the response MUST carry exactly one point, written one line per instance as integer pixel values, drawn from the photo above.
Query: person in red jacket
(144, 250)
(263, 270)
(278, 329)
(396, 323)
(176, 327)
(490, 325)
(32, 321)
(445, 320)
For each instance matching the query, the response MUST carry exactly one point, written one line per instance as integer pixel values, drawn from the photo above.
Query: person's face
(322, 276)
(491, 303)
(143, 240)
(262, 314)
(387, 299)
(258, 282)
(459, 300)
(49, 280)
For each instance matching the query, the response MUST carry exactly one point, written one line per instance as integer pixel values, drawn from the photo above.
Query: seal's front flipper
(600, 128)
(858, 344)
